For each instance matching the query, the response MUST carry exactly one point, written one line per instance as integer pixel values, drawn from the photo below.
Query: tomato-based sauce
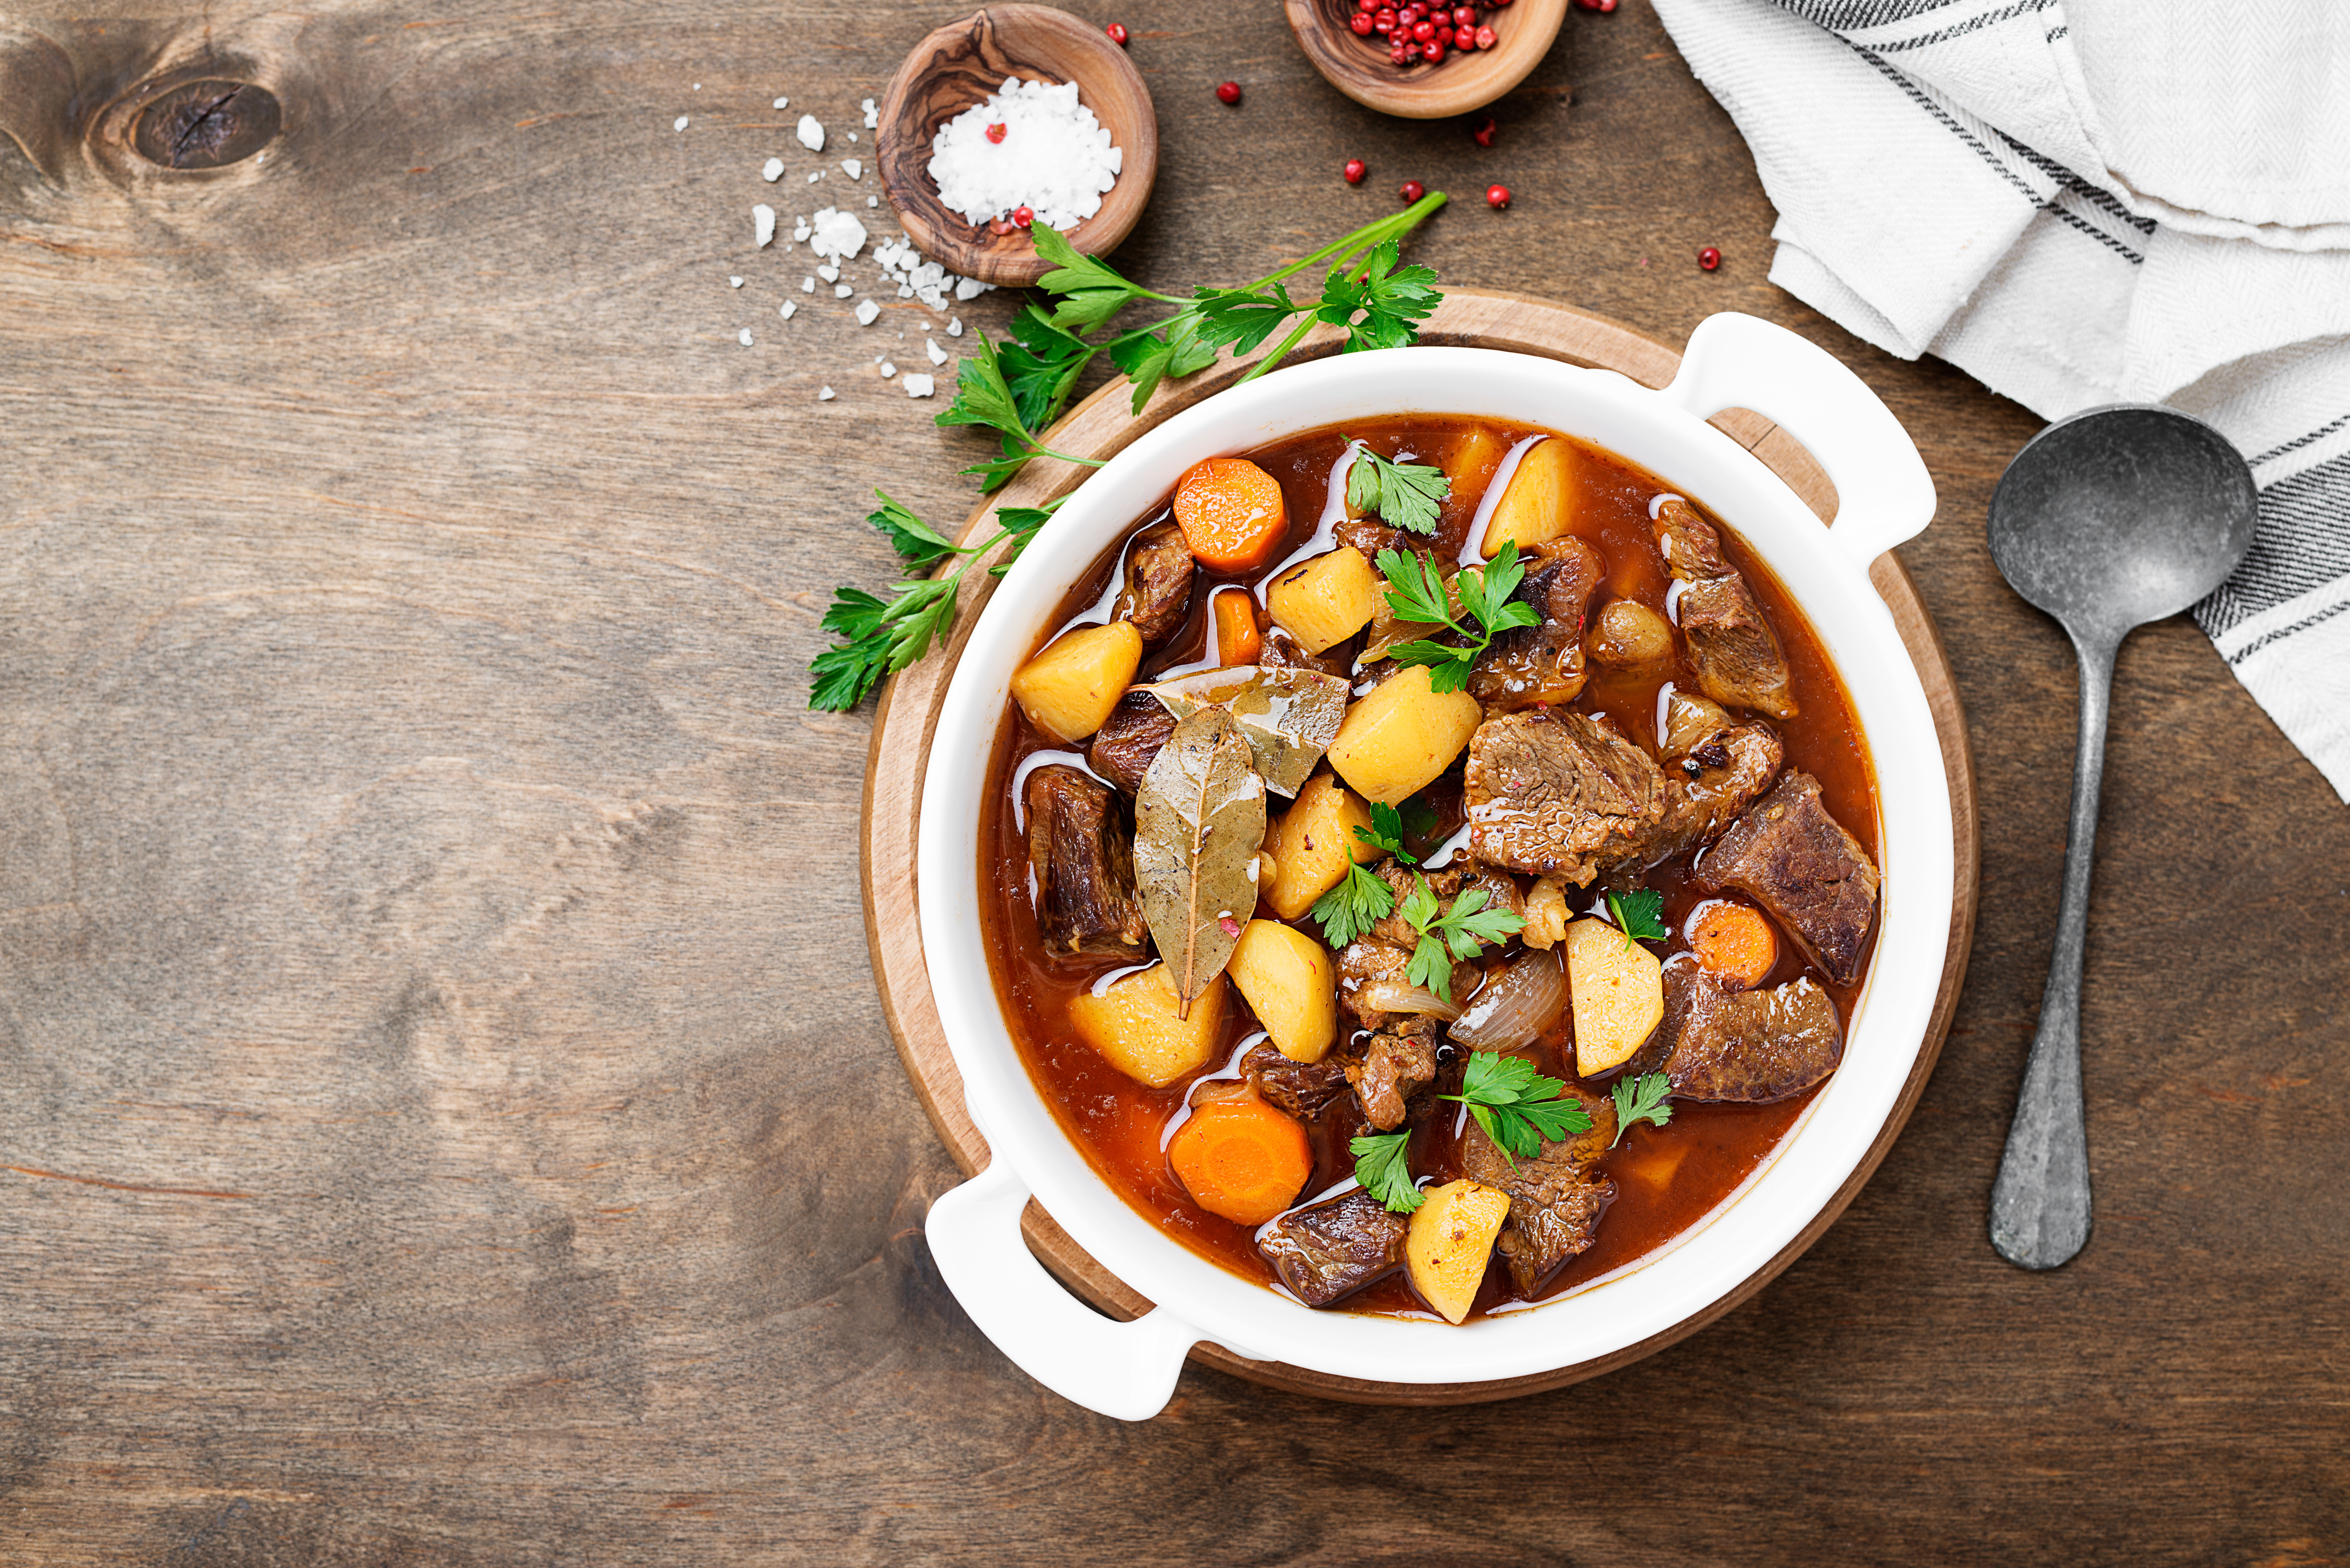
(1668, 1178)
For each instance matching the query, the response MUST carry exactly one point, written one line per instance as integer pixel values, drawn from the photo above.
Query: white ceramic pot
(1885, 497)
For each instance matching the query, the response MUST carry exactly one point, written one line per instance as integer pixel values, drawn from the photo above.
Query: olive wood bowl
(1357, 65)
(958, 66)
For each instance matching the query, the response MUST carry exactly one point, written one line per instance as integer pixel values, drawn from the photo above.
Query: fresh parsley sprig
(1362, 898)
(1517, 1106)
(1416, 593)
(877, 637)
(1458, 932)
(1383, 1166)
(1640, 1100)
(1407, 494)
(1386, 832)
(1639, 915)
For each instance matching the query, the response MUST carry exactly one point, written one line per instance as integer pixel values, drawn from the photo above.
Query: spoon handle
(2040, 1204)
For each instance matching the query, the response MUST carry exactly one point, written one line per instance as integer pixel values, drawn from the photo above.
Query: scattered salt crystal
(733, 281)
(866, 311)
(788, 309)
(762, 224)
(852, 136)
(919, 386)
(852, 166)
(872, 201)
(841, 291)
(829, 273)
(888, 369)
(1047, 151)
(808, 285)
(743, 337)
(954, 326)
(872, 115)
(783, 103)
(826, 396)
(930, 346)
(697, 87)
(904, 292)
(815, 176)
(835, 233)
(971, 287)
(772, 170)
(682, 123)
(811, 134)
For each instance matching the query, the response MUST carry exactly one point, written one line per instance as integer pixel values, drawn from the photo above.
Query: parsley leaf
(1640, 1100)
(1353, 907)
(1243, 317)
(911, 537)
(1517, 1106)
(1149, 359)
(1381, 304)
(1420, 819)
(1386, 832)
(1639, 914)
(1091, 290)
(1415, 593)
(1457, 933)
(1040, 367)
(1382, 1166)
(1407, 494)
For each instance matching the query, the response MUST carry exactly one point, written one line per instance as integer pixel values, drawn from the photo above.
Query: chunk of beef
(1401, 879)
(1400, 1060)
(1717, 778)
(1368, 962)
(1332, 1250)
(1128, 740)
(1531, 665)
(1084, 865)
(1368, 534)
(1788, 854)
(1281, 651)
(1731, 642)
(1754, 1046)
(1560, 793)
(1301, 1088)
(1158, 590)
(1556, 1198)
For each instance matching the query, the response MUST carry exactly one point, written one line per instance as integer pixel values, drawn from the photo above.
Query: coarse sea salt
(866, 311)
(1055, 156)
(930, 346)
(788, 309)
(783, 103)
(772, 170)
(853, 168)
(733, 283)
(872, 115)
(743, 337)
(682, 123)
(826, 396)
(811, 133)
(842, 291)
(919, 386)
(835, 233)
(762, 224)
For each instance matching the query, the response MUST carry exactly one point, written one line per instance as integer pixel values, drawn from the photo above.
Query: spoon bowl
(2107, 520)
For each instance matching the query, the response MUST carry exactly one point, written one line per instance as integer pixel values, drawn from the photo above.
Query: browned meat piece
(1368, 962)
(1400, 879)
(1538, 664)
(1556, 1199)
(1283, 651)
(1158, 582)
(1335, 1249)
(1084, 865)
(1560, 793)
(1301, 1089)
(1719, 778)
(1129, 739)
(1731, 644)
(1398, 1062)
(1788, 854)
(1501, 890)
(1751, 1045)
(1370, 536)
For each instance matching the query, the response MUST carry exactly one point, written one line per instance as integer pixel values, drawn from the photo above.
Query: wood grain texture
(447, 1119)
(1359, 65)
(957, 67)
(906, 718)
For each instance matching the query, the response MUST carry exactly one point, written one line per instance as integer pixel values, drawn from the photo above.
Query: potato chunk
(1133, 1024)
(1539, 504)
(1618, 989)
(1326, 600)
(1068, 689)
(1285, 975)
(1398, 739)
(1452, 1240)
(1313, 843)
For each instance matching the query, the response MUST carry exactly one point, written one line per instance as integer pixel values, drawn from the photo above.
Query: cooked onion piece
(1393, 996)
(1523, 1001)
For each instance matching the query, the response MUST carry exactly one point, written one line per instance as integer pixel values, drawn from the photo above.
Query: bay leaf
(1199, 822)
(1289, 716)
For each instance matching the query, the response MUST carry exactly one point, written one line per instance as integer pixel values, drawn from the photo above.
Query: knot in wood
(206, 124)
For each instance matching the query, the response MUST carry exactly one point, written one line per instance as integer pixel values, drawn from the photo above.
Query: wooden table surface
(445, 1110)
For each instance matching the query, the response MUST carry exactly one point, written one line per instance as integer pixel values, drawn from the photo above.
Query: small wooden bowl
(957, 67)
(1358, 66)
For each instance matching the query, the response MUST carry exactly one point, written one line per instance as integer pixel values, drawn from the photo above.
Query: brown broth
(1668, 1178)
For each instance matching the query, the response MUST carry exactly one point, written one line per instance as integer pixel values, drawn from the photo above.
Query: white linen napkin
(2086, 202)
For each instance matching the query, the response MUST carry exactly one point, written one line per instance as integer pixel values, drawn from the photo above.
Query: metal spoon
(2107, 520)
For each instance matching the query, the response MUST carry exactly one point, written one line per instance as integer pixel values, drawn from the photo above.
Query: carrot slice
(1734, 943)
(1245, 1161)
(1238, 640)
(1232, 514)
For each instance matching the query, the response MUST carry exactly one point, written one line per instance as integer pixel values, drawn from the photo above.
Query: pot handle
(1883, 495)
(1122, 1369)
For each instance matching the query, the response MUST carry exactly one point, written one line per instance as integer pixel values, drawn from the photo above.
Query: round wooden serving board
(906, 717)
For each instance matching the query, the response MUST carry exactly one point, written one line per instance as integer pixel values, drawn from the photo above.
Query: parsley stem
(1296, 336)
(1388, 228)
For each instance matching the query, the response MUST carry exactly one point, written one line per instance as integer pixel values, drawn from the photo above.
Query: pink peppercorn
(1228, 92)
